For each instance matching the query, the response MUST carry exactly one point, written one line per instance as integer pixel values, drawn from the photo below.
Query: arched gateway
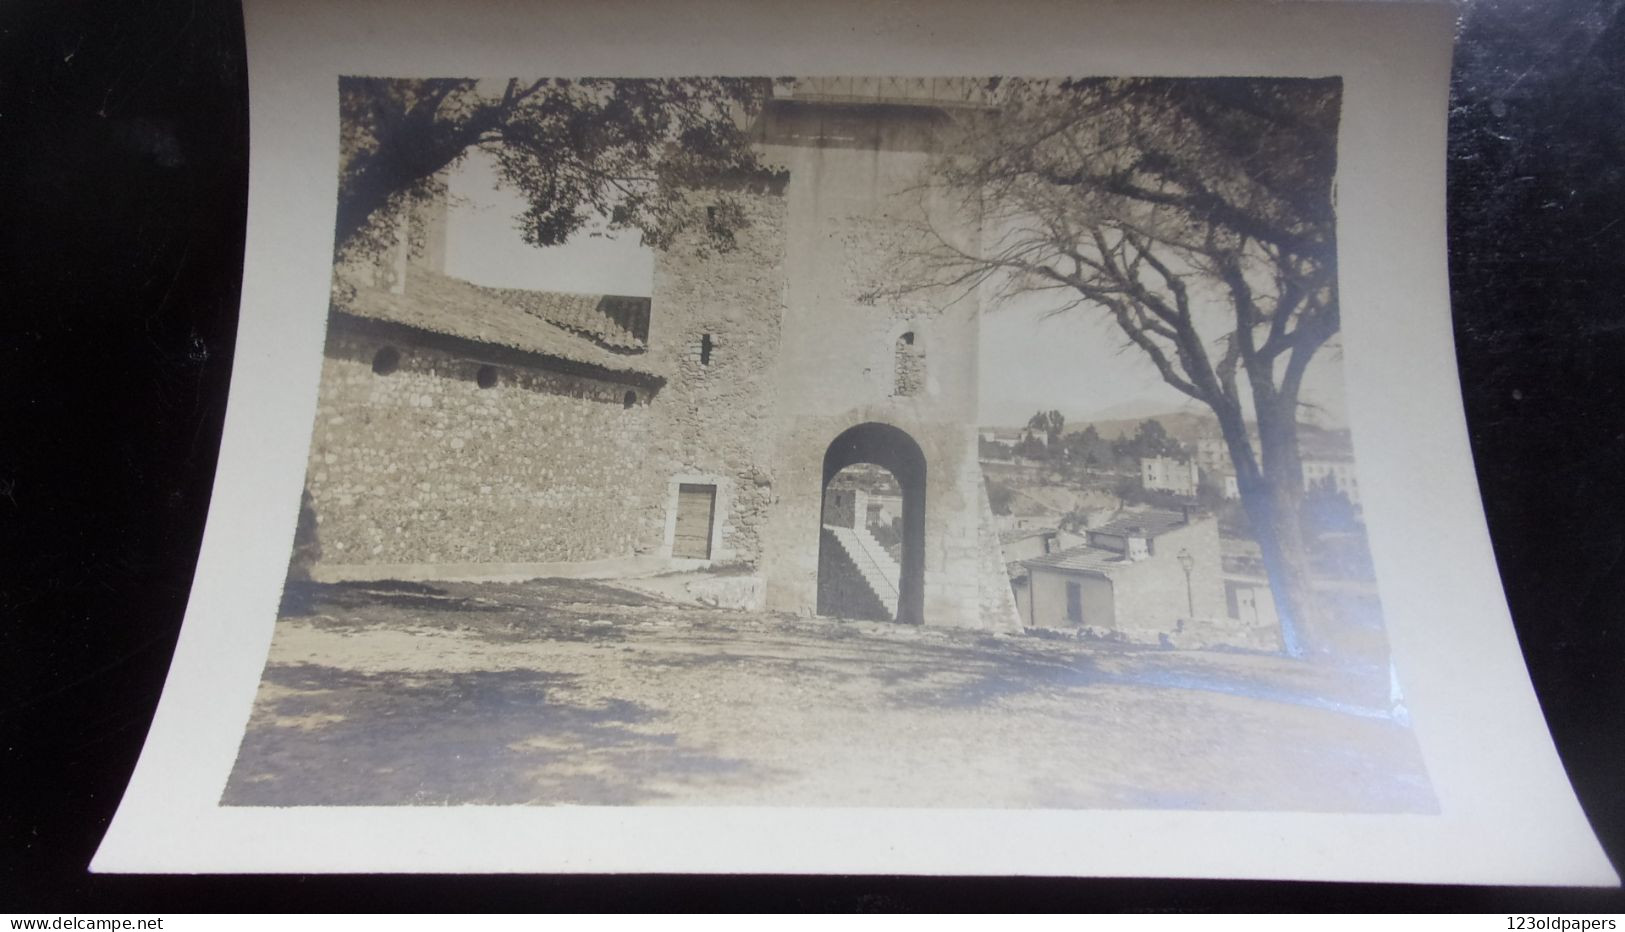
(895, 451)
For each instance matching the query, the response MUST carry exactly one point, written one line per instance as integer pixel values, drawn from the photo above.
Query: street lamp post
(1187, 563)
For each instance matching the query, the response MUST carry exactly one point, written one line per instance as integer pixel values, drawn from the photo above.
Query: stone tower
(860, 379)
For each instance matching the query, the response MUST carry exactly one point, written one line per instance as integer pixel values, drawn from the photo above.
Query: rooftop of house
(551, 325)
(1092, 559)
(1147, 524)
(616, 322)
(1026, 506)
(1084, 558)
(1022, 533)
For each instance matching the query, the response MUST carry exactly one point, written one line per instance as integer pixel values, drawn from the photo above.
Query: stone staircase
(879, 571)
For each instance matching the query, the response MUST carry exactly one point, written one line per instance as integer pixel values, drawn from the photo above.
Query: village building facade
(1326, 463)
(1022, 544)
(1332, 472)
(1167, 474)
(1146, 577)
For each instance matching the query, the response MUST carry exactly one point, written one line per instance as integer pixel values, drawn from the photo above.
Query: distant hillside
(1190, 425)
(1137, 410)
(1186, 426)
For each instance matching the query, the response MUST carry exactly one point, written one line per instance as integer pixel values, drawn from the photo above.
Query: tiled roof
(1146, 524)
(1015, 534)
(1088, 559)
(617, 322)
(451, 307)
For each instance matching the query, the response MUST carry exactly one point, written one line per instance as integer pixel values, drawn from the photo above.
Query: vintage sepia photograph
(840, 441)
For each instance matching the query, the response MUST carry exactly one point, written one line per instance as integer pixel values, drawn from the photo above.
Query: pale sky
(1030, 360)
(483, 244)
(1076, 362)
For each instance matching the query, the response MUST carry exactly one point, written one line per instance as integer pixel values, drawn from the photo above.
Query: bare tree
(1196, 215)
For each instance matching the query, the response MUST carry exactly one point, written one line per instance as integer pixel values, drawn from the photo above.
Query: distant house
(846, 506)
(1212, 455)
(1250, 601)
(1027, 516)
(1024, 544)
(1143, 575)
(1004, 435)
(1327, 459)
(1333, 473)
(1328, 462)
(885, 509)
(1153, 577)
(1166, 474)
(1021, 545)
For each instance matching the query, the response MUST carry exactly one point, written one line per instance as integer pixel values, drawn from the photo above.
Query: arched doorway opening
(850, 572)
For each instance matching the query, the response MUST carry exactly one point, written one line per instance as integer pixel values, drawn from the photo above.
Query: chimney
(1136, 546)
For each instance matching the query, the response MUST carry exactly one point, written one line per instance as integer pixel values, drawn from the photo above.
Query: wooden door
(696, 507)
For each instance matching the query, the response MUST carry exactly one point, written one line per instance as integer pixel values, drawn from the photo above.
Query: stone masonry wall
(423, 466)
(715, 416)
(998, 603)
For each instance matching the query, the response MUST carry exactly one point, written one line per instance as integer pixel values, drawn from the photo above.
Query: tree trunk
(1275, 518)
(405, 158)
(1271, 487)
(1278, 525)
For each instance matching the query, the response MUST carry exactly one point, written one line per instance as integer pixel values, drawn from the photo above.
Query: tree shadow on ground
(565, 609)
(302, 598)
(328, 737)
(970, 680)
(925, 676)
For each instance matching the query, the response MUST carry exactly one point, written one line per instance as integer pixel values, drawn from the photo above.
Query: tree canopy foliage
(622, 150)
(1149, 439)
(1049, 423)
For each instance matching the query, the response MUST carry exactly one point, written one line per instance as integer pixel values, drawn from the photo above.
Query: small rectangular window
(1074, 602)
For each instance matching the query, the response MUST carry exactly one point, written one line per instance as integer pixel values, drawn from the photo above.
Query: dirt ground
(574, 692)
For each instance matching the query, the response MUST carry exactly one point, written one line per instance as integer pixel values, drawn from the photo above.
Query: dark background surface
(123, 190)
